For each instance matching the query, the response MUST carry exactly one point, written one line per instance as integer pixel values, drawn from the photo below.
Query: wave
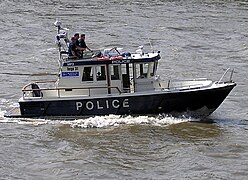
(116, 121)
(107, 121)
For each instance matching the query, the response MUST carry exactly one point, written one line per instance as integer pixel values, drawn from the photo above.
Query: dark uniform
(82, 43)
(72, 49)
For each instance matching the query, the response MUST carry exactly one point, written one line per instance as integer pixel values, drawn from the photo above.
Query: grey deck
(15, 112)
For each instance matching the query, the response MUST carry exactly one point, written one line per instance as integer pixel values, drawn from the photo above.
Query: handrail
(230, 79)
(185, 84)
(72, 88)
(46, 89)
(194, 86)
(37, 82)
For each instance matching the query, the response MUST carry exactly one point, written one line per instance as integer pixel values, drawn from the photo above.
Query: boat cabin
(112, 73)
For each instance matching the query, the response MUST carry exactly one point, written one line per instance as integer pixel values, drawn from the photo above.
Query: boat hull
(195, 103)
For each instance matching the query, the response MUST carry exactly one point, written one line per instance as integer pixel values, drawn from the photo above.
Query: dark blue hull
(201, 102)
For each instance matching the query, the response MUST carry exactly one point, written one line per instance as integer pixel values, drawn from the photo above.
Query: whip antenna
(150, 44)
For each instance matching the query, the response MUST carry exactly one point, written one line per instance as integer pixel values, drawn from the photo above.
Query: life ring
(102, 58)
(116, 58)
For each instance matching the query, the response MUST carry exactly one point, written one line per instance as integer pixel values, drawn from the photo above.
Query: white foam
(99, 121)
(2, 114)
(3, 101)
(115, 121)
(4, 119)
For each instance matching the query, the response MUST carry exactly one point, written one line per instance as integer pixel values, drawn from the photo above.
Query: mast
(61, 35)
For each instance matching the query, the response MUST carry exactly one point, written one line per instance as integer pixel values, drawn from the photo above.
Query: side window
(127, 70)
(115, 74)
(87, 74)
(100, 73)
(154, 68)
(146, 70)
(142, 71)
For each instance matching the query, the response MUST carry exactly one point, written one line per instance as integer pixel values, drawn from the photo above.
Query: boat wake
(116, 121)
(107, 121)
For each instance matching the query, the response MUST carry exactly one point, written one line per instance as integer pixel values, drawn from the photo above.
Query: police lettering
(105, 104)
(120, 61)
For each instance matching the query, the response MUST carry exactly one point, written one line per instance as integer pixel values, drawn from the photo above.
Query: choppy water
(196, 39)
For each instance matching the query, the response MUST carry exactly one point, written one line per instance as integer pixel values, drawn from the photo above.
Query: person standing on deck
(82, 43)
(79, 49)
(72, 49)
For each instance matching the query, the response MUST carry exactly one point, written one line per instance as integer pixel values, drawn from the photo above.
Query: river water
(196, 39)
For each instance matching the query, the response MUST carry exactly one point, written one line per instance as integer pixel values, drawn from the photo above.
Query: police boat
(111, 82)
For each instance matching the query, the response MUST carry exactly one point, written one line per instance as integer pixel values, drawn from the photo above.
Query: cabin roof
(94, 61)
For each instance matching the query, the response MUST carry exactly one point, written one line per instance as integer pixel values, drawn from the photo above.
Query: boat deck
(15, 112)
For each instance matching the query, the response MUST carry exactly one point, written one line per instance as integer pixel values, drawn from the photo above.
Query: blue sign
(70, 74)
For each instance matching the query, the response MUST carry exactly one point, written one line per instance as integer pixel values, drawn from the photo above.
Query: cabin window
(155, 65)
(145, 70)
(141, 71)
(114, 70)
(100, 73)
(87, 74)
(126, 71)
